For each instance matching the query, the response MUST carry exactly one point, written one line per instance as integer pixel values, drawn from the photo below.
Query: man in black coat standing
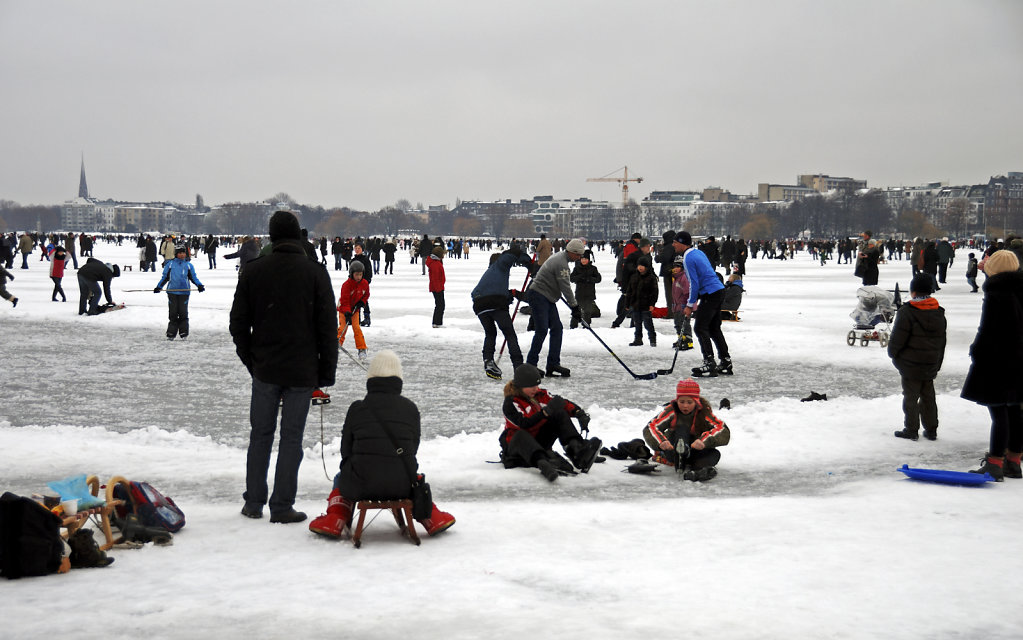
(284, 326)
(666, 256)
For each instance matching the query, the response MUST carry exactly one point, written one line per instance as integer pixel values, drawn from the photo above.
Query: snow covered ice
(808, 531)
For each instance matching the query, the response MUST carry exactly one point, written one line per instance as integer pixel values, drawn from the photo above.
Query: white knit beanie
(385, 365)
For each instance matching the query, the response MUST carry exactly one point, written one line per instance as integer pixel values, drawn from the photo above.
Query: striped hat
(687, 388)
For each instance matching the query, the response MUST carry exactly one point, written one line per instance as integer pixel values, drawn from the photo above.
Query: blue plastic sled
(946, 477)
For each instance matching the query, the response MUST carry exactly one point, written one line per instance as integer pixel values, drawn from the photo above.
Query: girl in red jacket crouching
(686, 434)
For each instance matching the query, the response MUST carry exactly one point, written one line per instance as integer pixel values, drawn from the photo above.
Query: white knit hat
(575, 245)
(385, 365)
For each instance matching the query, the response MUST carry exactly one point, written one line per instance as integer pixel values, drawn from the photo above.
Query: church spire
(83, 188)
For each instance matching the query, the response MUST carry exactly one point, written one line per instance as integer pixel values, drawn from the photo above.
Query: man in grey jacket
(552, 282)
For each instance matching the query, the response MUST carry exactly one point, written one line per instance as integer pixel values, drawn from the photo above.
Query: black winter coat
(585, 278)
(367, 272)
(642, 292)
(370, 466)
(283, 320)
(666, 256)
(917, 343)
(95, 271)
(996, 375)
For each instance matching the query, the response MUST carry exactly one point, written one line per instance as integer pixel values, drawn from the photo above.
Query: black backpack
(30, 543)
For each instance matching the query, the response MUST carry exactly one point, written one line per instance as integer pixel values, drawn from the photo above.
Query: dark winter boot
(725, 366)
(547, 469)
(582, 453)
(906, 434)
(653, 340)
(708, 369)
(700, 475)
(338, 518)
(558, 371)
(637, 342)
(1011, 466)
(439, 521)
(993, 465)
(564, 467)
(492, 370)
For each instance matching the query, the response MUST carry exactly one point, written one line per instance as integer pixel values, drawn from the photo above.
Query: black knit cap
(526, 375)
(922, 284)
(284, 226)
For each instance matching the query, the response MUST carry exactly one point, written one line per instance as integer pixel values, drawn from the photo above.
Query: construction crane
(624, 181)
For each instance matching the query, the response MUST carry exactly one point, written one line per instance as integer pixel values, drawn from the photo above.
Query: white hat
(385, 365)
(575, 245)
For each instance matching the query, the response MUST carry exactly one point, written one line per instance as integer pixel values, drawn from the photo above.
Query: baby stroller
(873, 315)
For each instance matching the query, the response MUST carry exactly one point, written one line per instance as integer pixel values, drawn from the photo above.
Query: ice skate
(725, 366)
(491, 369)
(708, 369)
(557, 371)
(363, 356)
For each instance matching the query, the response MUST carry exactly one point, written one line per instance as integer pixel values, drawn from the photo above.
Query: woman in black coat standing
(995, 379)
(371, 468)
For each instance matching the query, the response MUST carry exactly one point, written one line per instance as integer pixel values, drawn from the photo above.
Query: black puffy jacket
(370, 466)
(284, 320)
(917, 344)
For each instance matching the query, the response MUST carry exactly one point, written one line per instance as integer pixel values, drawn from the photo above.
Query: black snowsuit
(585, 278)
(370, 466)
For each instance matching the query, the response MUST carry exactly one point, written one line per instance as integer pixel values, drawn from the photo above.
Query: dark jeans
(57, 288)
(389, 267)
(942, 272)
(1006, 428)
(294, 404)
(338, 262)
(88, 294)
(918, 404)
(491, 321)
(212, 256)
(438, 308)
(545, 319)
(177, 315)
(74, 258)
(644, 319)
(24, 261)
(707, 325)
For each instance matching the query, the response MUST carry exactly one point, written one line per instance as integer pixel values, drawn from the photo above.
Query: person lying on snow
(370, 468)
(534, 419)
(686, 434)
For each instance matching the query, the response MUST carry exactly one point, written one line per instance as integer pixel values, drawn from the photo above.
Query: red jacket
(701, 424)
(520, 413)
(58, 259)
(352, 293)
(435, 266)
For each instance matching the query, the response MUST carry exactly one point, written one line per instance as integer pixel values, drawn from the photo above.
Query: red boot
(338, 518)
(437, 522)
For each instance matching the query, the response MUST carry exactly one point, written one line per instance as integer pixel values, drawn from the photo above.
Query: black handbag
(422, 496)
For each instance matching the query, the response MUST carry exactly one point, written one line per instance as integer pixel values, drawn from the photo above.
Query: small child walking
(4, 275)
(640, 297)
(435, 266)
(917, 348)
(971, 272)
(354, 296)
(679, 298)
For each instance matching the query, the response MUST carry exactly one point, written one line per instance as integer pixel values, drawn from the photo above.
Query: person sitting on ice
(354, 296)
(534, 419)
(370, 468)
(686, 434)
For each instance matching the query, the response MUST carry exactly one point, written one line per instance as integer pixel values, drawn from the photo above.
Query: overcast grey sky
(343, 103)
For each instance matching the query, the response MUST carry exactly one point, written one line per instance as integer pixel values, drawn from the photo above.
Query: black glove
(156, 290)
(584, 420)
(577, 313)
(200, 288)
(556, 404)
(519, 295)
(348, 317)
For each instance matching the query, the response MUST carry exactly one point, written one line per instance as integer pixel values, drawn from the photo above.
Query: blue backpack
(152, 507)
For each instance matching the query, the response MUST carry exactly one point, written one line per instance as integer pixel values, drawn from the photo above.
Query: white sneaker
(363, 356)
